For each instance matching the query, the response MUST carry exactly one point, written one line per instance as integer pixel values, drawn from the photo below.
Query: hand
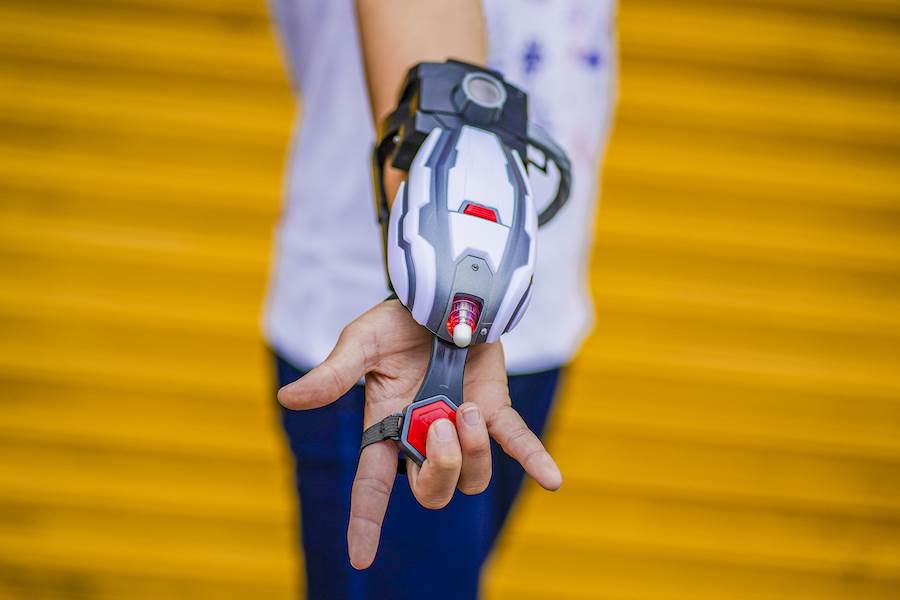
(392, 351)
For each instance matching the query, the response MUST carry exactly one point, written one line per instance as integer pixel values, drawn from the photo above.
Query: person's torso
(329, 267)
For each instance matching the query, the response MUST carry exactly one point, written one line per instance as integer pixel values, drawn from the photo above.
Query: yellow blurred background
(731, 430)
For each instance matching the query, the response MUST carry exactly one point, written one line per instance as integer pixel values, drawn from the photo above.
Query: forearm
(397, 34)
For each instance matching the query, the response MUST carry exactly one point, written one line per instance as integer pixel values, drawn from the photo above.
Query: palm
(404, 349)
(392, 351)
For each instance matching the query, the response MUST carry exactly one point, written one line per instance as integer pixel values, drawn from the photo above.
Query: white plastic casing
(424, 248)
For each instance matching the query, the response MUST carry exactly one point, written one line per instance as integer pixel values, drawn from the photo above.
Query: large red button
(421, 419)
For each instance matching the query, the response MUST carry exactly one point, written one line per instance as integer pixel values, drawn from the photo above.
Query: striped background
(731, 431)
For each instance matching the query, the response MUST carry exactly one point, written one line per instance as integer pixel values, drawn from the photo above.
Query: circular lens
(484, 90)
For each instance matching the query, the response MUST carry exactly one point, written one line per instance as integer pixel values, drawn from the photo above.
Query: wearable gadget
(461, 235)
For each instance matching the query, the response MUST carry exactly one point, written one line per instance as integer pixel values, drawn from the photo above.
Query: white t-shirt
(329, 269)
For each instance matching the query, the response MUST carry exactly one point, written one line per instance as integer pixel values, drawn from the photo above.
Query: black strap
(541, 140)
(536, 137)
(386, 429)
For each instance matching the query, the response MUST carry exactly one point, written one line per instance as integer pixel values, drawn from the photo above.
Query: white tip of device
(462, 335)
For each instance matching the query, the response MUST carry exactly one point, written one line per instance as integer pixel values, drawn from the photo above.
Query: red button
(482, 212)
(421, 419)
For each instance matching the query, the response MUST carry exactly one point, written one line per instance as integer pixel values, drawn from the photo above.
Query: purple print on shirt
(592, 58)
(532, 57)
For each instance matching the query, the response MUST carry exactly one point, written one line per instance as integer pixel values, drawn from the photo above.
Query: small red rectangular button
(482, 212)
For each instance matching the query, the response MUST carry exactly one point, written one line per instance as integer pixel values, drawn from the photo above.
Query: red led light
(464, 311)
(482, 212)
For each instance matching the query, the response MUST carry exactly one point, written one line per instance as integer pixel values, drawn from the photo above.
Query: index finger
(517, 440)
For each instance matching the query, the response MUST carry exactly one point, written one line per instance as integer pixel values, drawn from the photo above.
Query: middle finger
(434, 483)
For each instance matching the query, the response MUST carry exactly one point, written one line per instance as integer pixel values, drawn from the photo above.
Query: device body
(460, 238)
(463, 229)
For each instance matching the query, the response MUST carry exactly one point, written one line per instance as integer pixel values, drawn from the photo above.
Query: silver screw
(474, 267)
(484, 331)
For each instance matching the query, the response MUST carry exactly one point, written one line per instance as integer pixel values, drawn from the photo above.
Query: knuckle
(447, 461)
(372, 486)
(351, 333)
(365, 520)
(479, 451)
(519, 436)
(358, 337)
(348, 332)
(334, 376)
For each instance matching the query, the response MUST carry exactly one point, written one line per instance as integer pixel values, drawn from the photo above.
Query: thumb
(333, 377)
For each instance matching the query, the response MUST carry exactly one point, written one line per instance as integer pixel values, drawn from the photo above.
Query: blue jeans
(423, 553)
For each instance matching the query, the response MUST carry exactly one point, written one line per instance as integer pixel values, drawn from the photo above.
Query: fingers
(368, 501)
(434, 483)
(475, 473)
(346, 364)
(519, 442)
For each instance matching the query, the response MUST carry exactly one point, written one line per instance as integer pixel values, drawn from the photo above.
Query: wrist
(392, 179)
